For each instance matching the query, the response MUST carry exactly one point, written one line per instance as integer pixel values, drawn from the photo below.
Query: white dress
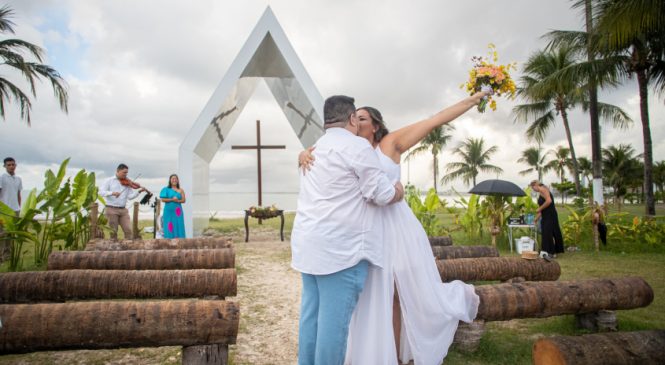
(431, 310)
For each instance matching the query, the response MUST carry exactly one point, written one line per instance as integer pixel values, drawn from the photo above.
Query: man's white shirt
(113, 185)
(10, 186)
(337, 221)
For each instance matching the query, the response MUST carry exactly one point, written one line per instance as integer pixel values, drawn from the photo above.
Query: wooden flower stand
(264, 215)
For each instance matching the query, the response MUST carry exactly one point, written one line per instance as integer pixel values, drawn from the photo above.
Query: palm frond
(524, 112)
(615, 115)
(8, 91)
(18, 45)
(538, 129)
(6, 25)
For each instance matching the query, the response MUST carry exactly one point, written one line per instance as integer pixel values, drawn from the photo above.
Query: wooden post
(94, 213)
(601, 321)
(467, 337)
(157, 219)
(135, 222)
(217, 354)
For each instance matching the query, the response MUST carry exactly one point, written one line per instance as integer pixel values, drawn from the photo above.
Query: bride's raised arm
(399, 141)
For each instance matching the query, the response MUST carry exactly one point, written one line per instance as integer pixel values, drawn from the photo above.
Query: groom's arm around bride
(334, 236)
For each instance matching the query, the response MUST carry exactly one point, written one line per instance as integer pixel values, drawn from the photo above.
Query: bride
(430, 309)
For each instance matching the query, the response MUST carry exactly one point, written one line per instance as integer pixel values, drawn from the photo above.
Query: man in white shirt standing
(116, 191)
(336, 234)
(10, 194)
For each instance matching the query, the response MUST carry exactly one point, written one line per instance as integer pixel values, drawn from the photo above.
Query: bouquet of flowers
(486, 76)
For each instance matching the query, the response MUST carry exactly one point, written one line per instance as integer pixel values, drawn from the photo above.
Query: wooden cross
(258, 149)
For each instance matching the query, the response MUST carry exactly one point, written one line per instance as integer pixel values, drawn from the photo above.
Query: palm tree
(474, 160)
(11, 55)
(586, 169)
(618, 166)
(546, 98)
(434, 142)
(628, 37)
(560, 162)
(533, 158)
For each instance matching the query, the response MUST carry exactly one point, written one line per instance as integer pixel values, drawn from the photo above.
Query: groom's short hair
(338, 109)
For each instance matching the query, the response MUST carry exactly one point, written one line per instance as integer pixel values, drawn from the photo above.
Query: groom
(336, 233)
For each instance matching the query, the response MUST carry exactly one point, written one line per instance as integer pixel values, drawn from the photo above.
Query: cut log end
(618, 348)
(546, 352)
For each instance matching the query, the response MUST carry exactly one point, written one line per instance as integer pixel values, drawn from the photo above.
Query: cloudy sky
(140, 72)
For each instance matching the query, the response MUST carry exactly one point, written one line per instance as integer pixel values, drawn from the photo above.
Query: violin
(130, 183)
(134, 185)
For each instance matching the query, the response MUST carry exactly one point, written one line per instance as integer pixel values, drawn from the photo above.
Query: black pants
(552, 238)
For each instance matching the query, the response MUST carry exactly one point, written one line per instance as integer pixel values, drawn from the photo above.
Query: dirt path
(269, 297)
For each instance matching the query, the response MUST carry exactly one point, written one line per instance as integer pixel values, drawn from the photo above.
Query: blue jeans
(325, 313)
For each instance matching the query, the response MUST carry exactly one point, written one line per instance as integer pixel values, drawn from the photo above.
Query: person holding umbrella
(552, 238)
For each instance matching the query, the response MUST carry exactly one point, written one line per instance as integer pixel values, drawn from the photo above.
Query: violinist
(116, 191)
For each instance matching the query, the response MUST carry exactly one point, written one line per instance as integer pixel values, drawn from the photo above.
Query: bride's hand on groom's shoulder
(399, 192)
(306, 160)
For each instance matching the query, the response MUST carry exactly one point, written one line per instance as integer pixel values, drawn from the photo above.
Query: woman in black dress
(552, 239)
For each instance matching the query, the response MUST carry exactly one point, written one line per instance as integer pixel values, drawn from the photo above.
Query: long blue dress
(173, 219)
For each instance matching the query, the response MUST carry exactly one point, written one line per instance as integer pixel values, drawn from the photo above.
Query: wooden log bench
(440, 240)
(222, 258)
(618, 348)
(66, 285)
(192, 324)
(497, 268)
(459, 252)
(159, 244)
(502, 302)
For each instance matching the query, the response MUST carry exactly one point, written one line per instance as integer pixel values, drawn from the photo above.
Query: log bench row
(142, 274)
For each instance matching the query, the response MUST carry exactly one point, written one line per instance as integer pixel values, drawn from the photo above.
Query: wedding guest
(11, 186)
(117, 191)
(10, 194)
(173, 220)
(552, 238)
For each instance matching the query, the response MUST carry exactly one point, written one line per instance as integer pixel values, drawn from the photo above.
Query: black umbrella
(497, 187)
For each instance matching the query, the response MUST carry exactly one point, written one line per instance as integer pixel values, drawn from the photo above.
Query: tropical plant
(546, 98)
(524, 204)
(586, 169)
(564, 188)
(12, 56)
(434, 142)
(535, 159)
(495, 209)
(19, 229)
(471, 220)
(576, 224)
(618, 165)
(560, 162)
(426, 211)
(475, 158)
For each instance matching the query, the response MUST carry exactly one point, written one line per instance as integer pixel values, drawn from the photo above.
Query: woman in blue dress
(172, 218)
